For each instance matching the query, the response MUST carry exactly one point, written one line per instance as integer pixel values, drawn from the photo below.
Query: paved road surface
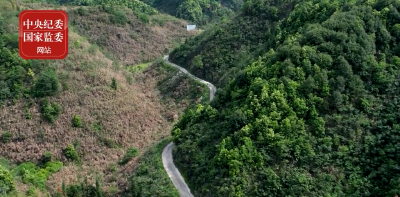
(167, 158)
(174, 173)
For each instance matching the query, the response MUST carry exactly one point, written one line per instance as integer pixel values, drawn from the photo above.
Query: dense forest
(200, 12)
(316, 114)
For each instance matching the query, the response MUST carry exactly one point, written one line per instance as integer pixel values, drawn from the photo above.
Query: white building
(190, 27)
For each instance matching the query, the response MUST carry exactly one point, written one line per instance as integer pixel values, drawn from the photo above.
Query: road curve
(167, 158)
(211, 86)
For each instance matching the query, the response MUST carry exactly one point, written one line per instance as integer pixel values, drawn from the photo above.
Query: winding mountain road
(167, 158)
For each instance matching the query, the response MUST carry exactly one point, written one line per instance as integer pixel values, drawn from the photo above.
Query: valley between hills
(307, 101)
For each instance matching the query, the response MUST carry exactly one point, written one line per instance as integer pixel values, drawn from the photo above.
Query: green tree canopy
(315, 115)
(190, 10)
(47, 84)
(6, 181)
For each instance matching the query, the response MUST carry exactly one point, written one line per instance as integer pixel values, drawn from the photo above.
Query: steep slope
(129, 38)
(167, 157)
(199, 12)
(150, 178)
(113, 117)
(217, 54)
(178, 91)
(315, 116)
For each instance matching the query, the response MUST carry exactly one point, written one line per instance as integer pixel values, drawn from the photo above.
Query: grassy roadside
(205, 91)
(150, 179)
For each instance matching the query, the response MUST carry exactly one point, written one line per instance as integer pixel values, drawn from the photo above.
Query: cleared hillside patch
(133, 41)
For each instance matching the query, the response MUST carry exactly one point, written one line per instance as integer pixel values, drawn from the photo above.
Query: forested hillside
(316, 115)
(200, 12)
(219, 53)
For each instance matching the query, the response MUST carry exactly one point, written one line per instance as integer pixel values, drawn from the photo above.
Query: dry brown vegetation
(113, 120)
(133, 42)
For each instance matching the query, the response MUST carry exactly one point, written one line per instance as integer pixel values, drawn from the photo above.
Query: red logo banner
(43, 34)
